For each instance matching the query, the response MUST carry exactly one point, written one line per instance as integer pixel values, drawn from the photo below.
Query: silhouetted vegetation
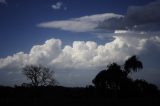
(112, 86)
(110, 78)
(38, 75)
(116, 76)
(132, 64)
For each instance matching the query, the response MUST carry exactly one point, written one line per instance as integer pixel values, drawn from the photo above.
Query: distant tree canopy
(39, 75)
(115, 76)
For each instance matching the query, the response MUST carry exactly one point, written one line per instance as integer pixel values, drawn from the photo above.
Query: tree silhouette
(39, 75)
(132, 64)
(110, 78)
(116, 76)
(100, 80)
(146, 88)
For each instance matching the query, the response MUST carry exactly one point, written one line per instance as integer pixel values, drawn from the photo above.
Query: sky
(78, 38)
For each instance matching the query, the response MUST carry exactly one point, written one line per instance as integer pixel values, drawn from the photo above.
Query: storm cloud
(84, 59)
(137, 18)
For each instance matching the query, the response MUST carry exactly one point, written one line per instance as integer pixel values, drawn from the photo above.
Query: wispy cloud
(58, 6)
(84, 23)
(3, 2)
(137, 18)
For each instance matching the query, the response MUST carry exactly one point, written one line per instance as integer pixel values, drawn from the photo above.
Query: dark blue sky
(18, 20)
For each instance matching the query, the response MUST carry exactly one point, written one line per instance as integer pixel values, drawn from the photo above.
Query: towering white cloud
(81, 61)
(45, 53)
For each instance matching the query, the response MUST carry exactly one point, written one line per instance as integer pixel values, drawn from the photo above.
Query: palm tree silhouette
(132, 64)
(116, 76)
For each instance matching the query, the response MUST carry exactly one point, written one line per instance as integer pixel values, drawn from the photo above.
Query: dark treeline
(111, 86)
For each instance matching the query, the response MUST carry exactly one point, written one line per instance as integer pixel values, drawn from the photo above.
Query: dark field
(89, 96)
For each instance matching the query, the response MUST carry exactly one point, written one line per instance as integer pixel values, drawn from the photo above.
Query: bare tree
(39, 75)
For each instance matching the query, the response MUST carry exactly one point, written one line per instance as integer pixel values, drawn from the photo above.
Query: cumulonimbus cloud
(85, 59)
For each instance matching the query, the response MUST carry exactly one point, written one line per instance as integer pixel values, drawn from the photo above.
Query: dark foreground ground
(57, 96)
